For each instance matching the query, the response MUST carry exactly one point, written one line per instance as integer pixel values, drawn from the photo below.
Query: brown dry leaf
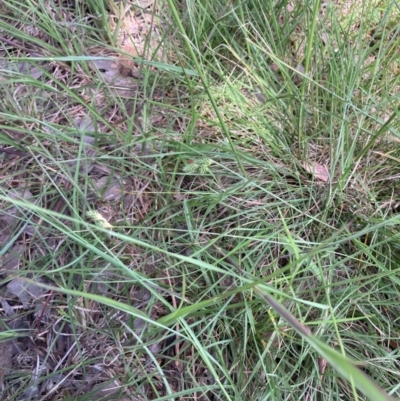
(10, 217)
(109, 70)
(126, 65)
(9, 263)
(5, 231)
(6, 351)
(24, 290)
(7, 308)
(137, 29)
(19, 193)
(322, 365)
(109, 189)
(17, 70)
(319, 171)
(11, 214)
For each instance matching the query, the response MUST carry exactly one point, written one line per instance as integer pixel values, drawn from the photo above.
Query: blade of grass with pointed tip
(338, 361)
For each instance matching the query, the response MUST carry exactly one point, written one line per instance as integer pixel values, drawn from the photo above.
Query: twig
(13, 151)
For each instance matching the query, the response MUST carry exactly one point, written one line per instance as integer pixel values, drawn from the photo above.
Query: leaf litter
(52, 346)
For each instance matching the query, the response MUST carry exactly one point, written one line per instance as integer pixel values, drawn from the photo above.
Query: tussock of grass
(164, 210)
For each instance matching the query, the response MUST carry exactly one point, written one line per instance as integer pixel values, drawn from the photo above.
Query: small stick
(14, 152)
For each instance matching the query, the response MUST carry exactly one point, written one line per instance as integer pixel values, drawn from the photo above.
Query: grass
(175, 242)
